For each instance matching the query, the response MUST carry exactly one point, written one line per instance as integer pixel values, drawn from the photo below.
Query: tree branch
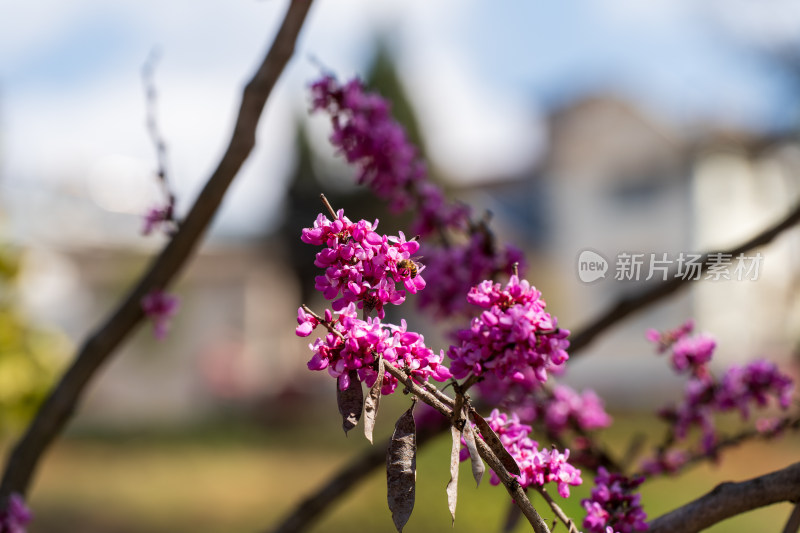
(661, 289)
(57, 409)
(730, 499)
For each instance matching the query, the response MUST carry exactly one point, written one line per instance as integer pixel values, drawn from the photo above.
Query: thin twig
(328, 206)
(57, 409)
(730, 499)
(151, 100)
(558, 510)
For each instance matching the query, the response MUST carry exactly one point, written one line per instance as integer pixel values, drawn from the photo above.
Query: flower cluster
(513, 340)
(354, 344)
(753, 384)
(16, 516)
(367, 135)
(362, 266)
(740, 388)
(569, 409)
(537, 467)
(688, 353)
(369, 138)
(160, 307)
(667, 338)
(451, 271)
(613, 506)
(668, 462)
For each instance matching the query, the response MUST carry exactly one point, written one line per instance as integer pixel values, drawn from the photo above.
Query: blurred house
(741, 185)
(617, 181)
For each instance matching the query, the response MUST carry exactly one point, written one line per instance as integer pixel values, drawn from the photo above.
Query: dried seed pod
(351, 401)
(477, 463)
(401, 469)
(455, 461)
(373, 401)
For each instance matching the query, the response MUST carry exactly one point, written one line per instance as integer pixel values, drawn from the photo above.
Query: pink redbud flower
(537, 467)
(155, 218)
(16, 516)
(357, 342)
(769, 425)
(739, 388)
(669, 462)
(613, 507)
(666, 339)
(566, 407)
(159, 307)
(368, 137)
(452, 271)
(514, 339)
(693, 353)
(362, 266)
(753, 384)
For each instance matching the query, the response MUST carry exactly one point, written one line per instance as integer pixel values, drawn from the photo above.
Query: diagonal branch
(57, 409)
(661, 289)
(730, 499)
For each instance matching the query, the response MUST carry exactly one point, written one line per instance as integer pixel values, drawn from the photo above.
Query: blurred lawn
(235, 478)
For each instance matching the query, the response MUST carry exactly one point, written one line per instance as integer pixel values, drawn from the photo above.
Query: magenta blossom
(514, 339)
(355, 343)
(613, 506)
(666, 339)
(669, 462)
(452, 271)
(537, 467)
(362, 266)
(567, 408)
(740, 389)
(159, 307)
(693, 353)
(16, 516)
(368, 137)
(156, 218)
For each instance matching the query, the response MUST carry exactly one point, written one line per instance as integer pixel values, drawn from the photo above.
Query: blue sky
(483, 74)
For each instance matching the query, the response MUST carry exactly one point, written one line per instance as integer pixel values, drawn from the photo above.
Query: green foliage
(29, 353)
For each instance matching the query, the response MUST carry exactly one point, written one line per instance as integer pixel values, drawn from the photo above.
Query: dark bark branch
(730, 499)
(661, 289)
(57, 409)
